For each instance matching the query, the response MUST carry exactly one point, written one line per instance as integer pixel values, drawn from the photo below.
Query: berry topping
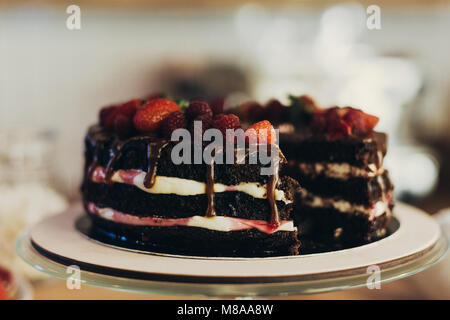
(149, 117)
(206, 121)
(197, 108)
(251, 111)
(129, 108)
(262, 132)
(108, 115)
(339, 123)
(105, 112)
(175, 120)
(360, 122)
(275, 110)
(226, 121)
(123, 125)
(217, 105)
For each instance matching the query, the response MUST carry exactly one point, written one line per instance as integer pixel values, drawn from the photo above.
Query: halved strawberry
(149, 117)
(361, 123)
(262, 132)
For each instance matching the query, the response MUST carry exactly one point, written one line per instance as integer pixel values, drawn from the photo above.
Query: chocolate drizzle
(210, 211)
(271, 187)
(154, 149)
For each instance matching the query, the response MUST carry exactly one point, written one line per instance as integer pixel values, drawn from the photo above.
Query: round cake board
(55, 244)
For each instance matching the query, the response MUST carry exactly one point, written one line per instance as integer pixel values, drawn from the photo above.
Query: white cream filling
(186, 187)
(220, 223)
(339, 170)
(343, 206)
(217, 223)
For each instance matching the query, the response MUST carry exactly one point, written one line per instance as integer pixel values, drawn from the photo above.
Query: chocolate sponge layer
(358, 190)
(132, 200)
(196, 241)
(324, 229)
(354, 151)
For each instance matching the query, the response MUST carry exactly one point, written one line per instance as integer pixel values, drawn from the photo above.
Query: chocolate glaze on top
(154, 149)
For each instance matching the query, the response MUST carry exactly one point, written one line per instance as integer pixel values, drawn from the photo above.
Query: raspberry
(262, 132)
(175, 120)
(251, 111)
(149, 117)
(130, 107)
(226, 121)
(108, 114)
(105, 112)
(197, 108)
(217, 105)
(123, 125)
(275, 110)
(206, 124)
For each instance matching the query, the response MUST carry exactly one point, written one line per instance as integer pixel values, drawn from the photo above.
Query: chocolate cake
(136, 195)
(345, 198)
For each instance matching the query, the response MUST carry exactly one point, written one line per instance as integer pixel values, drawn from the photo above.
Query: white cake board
(55, 243)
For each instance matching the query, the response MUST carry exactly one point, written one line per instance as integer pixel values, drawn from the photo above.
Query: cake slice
(346, 195)
(137, 196)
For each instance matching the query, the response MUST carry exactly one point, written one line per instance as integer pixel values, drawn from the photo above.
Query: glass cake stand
(32, 247)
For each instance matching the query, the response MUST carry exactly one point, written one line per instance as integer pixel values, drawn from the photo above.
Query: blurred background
(53, 81)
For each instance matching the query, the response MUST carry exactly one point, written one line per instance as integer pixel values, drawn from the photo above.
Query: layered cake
(337, 157)
(138, 194)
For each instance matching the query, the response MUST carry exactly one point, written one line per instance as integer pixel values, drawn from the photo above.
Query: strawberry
(226, 121)
(361, 123)
(198, 107)
(149, 117)
(339, 123)
(262, 132)
(175, 120)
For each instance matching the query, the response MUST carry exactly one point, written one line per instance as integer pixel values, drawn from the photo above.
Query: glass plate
(339, 281)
